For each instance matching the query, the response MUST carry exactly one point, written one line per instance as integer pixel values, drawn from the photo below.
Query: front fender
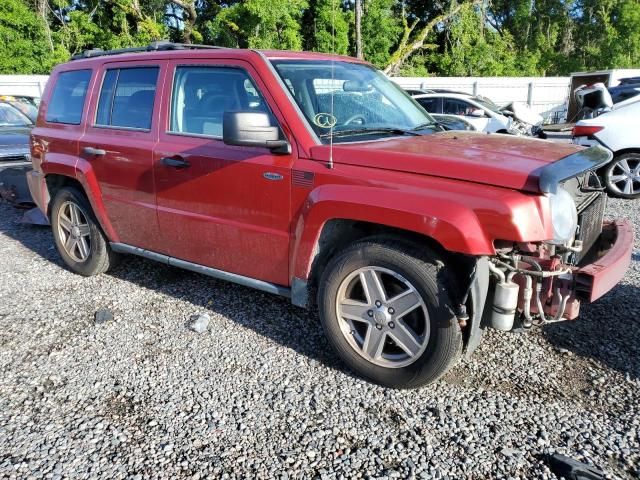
(454, 226)
(462, 217)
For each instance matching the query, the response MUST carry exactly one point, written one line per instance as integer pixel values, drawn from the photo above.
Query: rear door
(226, 207)
(118, 143)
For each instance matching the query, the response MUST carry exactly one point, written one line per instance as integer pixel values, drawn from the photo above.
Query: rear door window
(127, 97)
(67, 100)
(457, 107)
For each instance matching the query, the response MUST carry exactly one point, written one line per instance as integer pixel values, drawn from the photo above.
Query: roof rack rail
(160, 45)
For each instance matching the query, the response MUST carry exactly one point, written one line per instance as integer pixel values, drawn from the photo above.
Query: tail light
(585, 130)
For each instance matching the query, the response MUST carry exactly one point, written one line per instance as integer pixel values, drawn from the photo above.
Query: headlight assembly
(564, 216)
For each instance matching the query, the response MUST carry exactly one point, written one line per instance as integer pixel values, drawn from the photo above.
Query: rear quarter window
(67, 100)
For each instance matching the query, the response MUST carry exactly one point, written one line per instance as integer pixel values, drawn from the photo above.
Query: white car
(616, 130)
(481, 113)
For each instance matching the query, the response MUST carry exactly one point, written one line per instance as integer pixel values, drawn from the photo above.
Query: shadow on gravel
(268, 315)
(607, 331)
(35, 237)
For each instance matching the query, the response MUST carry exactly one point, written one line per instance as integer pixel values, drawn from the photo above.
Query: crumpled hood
(499, 160)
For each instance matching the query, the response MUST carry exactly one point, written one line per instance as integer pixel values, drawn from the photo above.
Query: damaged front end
(545, 282)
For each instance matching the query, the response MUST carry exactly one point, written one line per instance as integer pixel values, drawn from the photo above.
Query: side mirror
(253, 129)
(478, 112)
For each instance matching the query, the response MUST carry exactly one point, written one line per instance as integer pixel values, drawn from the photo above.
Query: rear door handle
(96, 152)
(175, 162)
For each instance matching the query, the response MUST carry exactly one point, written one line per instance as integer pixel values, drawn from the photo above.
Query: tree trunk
(359, 52)
(41, 7)
(409, 44)
(189, 16)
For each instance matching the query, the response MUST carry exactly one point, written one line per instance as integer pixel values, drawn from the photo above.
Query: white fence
(545, 95)
(28, 85)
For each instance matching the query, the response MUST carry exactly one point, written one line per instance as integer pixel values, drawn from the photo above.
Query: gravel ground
(260, 395)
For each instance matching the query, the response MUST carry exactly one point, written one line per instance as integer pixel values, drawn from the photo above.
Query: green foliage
(448, 37)
(471, 49)
(260, 24)
(380, 30)
(326, 27)
(23, 44)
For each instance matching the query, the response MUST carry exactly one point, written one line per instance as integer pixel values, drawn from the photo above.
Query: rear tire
(622, 176)
(77, 234)
(392, 348)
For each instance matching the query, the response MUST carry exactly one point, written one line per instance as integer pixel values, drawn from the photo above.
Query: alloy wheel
(383, 317)
(624, 177)
(74, 231)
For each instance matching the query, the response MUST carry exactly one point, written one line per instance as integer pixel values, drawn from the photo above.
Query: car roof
(461, 96)
(98, 57)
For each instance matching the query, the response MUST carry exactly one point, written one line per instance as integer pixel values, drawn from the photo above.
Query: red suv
(315, 177)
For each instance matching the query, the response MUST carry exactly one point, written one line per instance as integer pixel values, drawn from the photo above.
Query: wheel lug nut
(391, 311)
(378, 326)
(370, 313)
(378, 303)
(392, 325)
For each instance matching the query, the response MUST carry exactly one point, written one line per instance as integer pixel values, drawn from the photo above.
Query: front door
(222, 206)
(118, 143)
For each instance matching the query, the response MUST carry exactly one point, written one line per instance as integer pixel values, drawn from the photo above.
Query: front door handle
(94, 152)
(175, 162)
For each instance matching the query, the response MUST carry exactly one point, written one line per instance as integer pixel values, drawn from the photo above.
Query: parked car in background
(313, 177)
(453, 122)
(417, 91)
(482, 113)
(27, 105)
(15, 159)
(627, 88)
(617, 130)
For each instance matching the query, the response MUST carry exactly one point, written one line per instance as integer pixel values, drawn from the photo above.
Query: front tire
(387, 313)
(77, 234)
(622, 176)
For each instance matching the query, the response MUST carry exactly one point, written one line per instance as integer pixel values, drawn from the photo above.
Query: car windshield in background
(10, 117)
(488, 104)
(348, 101)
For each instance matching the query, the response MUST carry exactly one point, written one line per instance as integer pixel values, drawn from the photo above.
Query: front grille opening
(590, 217)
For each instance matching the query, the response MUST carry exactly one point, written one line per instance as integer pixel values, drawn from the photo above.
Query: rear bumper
(592, 281)
(39, 190)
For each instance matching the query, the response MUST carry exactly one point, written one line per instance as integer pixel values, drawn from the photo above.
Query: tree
(414, 36)
(469, 49)
(24, 47)
(358, 19)
(326, 27)
(381, 30)
(260, 24)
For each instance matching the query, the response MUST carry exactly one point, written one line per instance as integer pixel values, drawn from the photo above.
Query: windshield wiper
(370, 131)
(435, 122)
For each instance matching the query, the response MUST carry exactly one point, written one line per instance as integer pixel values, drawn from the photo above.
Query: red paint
(608, 270)
(463, 190)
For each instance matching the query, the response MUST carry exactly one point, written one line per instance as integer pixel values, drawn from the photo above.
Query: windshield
(347, 100)
(488, 104)
(10, 117)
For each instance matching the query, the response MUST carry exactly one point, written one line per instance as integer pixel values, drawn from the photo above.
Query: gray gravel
(260, 395)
